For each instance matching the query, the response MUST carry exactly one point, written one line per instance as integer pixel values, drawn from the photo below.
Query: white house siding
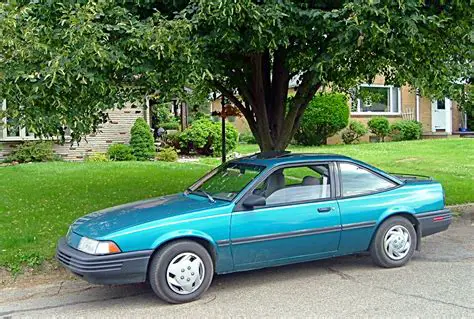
(116, 130)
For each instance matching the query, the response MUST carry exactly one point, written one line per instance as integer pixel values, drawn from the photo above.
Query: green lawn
(450, 161)
(39, 201)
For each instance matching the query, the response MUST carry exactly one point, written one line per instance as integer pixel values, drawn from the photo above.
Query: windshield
(226, 181)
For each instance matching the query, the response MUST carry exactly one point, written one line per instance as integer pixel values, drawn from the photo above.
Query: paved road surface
(438, 282)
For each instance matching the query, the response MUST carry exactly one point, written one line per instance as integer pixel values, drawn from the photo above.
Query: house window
(10, 131)
(377, 99)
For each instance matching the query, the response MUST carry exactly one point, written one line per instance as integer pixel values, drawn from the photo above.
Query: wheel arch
(406, 214)
(201, 238)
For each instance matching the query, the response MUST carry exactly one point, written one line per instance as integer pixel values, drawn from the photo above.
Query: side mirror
(254, 200)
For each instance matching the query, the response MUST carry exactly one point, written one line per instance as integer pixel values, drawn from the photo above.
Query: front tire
(394, 243)
(181, 271)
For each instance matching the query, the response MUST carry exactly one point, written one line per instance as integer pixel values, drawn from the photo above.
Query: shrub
(470, 124)
(327, 113)
(172, 140)
(162, 113)
(97, 157)
(231, 139)
(37, 151)
(142, 141)
(406, 130)
(379, 126)
(354, 132)
(247, 138)
(168, 154)
(120, 152)
(174, 125)
(204, 138)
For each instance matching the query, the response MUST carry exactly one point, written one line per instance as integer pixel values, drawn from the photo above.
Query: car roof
(273, 159)
(280, 158)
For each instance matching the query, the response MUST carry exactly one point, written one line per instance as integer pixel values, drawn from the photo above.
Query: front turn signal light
(107, 247)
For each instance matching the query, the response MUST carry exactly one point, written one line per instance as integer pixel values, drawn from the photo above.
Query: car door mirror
(254, 200)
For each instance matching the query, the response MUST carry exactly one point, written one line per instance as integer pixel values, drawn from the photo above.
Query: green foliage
(463, 94)
(65, 63)
(32, 152)
(142, 141)
(379, 126)
(172, 140)
(23, 259)
(470, 123)
(167, 154)
(354, 132)
(204, 137)
(406, 130)
(120, 152)
(173, 125)
(326, 114)
(97, 157)
(162, 113)
(247, 138)
(77, 60)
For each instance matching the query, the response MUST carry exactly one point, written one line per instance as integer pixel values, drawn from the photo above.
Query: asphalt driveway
(438, 282)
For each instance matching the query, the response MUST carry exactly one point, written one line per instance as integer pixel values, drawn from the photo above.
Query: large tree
(65, 64)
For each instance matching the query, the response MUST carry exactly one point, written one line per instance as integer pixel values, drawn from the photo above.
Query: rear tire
(181, 271)
(394, 243)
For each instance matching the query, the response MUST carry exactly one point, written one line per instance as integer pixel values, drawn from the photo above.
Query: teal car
(259, 211)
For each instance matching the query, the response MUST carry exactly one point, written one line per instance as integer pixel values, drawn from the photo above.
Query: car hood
(110, 220)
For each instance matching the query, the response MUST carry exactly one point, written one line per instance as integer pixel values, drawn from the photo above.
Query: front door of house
(439, 114)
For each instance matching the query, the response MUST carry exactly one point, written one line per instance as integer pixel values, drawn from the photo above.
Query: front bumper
(434, 222)
(122, 268)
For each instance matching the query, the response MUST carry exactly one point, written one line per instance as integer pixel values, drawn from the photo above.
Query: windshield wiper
(211, 199)
(188, 191)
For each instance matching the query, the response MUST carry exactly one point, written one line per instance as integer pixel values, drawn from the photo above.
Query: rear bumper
(434, 222)
(123, 268)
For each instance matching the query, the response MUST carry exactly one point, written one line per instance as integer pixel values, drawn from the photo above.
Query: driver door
(300, 220)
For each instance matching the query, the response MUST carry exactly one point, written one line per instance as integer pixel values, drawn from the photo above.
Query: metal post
(184, 116)
(223, 128)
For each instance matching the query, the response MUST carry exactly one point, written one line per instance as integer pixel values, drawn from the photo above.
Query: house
(116, 130)
(439, 118)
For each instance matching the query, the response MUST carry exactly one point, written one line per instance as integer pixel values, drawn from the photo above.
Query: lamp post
(226, 111)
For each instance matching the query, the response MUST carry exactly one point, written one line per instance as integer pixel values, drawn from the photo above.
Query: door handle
(324, 209)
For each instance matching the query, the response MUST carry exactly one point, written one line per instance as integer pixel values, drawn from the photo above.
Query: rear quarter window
(358, 181)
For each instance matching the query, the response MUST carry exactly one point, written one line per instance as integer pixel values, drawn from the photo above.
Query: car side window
(357, 181)
(296, 184)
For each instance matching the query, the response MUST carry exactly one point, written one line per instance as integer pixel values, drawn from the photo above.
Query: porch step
(433, 135)
(469, 134)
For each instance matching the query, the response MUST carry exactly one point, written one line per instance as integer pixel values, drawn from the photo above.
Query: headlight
(95, 247)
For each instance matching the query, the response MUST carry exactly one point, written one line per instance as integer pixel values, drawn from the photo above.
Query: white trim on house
(389, 102)
(417, 105)
(449, 115)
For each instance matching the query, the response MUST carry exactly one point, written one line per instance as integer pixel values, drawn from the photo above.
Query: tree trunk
(262, 99)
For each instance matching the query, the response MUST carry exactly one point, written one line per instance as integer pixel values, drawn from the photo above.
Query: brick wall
(116, 130)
